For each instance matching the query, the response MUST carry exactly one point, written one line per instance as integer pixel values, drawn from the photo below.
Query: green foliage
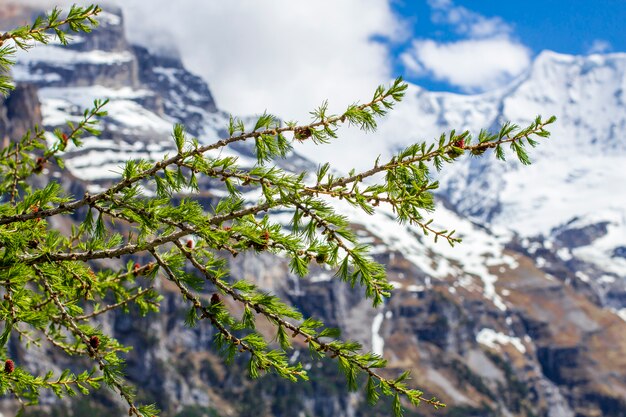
(54, 284)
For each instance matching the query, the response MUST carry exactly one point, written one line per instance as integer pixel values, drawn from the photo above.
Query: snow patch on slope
(493, 339)
(378, 343)
(473, 257)
(122, 108)
(602, 250)
(64, 57)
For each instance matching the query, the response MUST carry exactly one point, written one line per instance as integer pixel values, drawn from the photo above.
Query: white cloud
(287, 56)
(467, 22)
(486, 58)
(472, 64)
(600, 46)
(280, 55)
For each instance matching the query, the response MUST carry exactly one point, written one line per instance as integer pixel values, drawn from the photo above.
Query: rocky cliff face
(19, 112)
(504, 324)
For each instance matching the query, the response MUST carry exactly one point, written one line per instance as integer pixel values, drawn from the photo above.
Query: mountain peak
(585, 63)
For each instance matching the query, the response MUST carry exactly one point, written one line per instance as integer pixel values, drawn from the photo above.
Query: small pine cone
(94, 342)
(303, 133)
(215, 299)
(190, 243)
(39, 165)
(64, 138)
(320, 258)
(460, 144)
(9, 366)
(136, 268)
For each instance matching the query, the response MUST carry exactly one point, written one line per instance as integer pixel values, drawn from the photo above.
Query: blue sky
(566, 26)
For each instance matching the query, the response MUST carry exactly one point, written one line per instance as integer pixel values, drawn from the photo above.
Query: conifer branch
(181, 156)
(37, 32)
(69, 321)
(335, 349)
(442, 152)
(117, 305)
(65, 293)
(128, 249)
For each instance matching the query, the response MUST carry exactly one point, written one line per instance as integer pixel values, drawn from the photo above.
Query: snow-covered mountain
(573, 173)
(522, 318)
(572, 200)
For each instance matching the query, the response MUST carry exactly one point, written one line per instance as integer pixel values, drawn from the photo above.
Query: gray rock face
(109, 36)
(19, 112)
(103, 57)
(580, 236)
(184, 96)
(619, 252)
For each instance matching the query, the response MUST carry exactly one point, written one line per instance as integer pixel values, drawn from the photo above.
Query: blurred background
(525, 318)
